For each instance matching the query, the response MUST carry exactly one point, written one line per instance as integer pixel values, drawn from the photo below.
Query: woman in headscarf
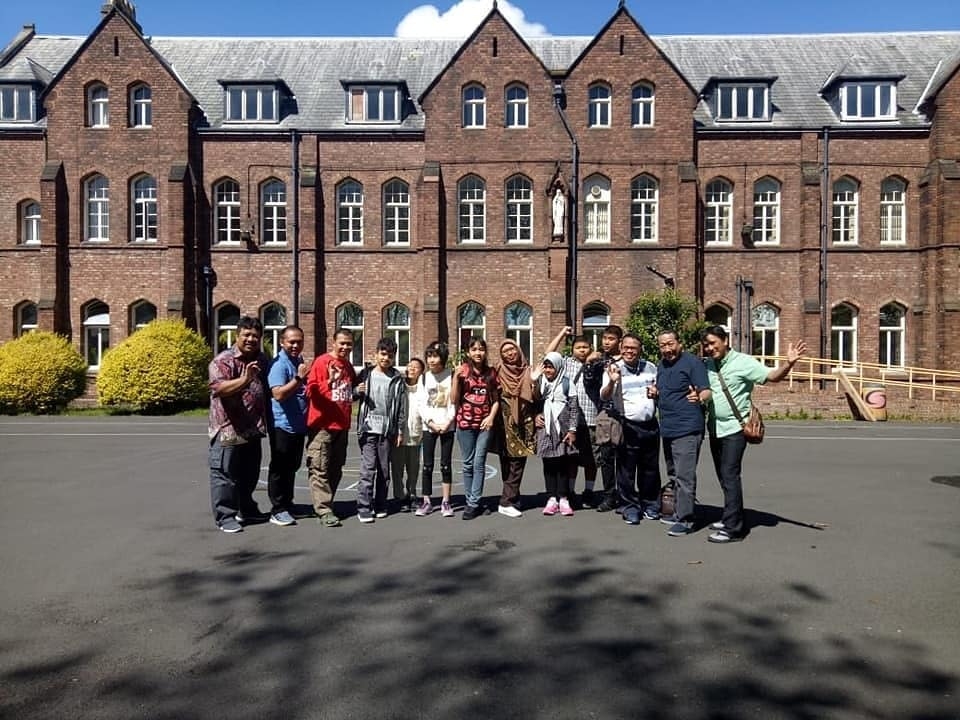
(518, 396)
(557, 433)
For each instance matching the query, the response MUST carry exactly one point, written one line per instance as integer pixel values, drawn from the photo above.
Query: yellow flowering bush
(161, 368)
(40, 372)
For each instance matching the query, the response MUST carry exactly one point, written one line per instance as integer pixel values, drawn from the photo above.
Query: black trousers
(286, 455)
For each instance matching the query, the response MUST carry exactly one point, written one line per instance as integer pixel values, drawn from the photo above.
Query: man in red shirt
(330, 392)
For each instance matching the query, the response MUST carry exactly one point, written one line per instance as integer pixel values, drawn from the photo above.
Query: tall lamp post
(209, 283)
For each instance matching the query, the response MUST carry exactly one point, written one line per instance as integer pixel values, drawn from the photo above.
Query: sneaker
(722, 536)
(231, 525)
(282, 518)
(510, 511)
(328, 519)
(631, 516)
(606, 505)
(365, 516)
(679, 529)
(669, 519)
(587, 500)
(380, 514)
(650, 514)
(252, 516)
(426, 507)
(565, 508)
(552, 508)
(446, 510)
(718, 525)
(406, 505)
(471, 511)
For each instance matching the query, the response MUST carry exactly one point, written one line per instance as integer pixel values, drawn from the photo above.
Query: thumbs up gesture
(693, 396)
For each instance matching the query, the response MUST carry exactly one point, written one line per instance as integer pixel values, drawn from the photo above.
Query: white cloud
(462, 19)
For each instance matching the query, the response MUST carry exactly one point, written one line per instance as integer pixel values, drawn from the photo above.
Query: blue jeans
(473, 448)
(727, 455)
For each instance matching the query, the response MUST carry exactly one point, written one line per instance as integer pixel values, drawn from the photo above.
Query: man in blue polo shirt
(681, 390)
(287, 380)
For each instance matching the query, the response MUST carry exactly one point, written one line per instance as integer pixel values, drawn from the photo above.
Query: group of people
(508, 407)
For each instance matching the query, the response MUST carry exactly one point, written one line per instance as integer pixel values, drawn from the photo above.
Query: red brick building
(795, 185)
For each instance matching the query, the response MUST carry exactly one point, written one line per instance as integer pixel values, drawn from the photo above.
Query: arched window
(596, 210)
(273, 317)
(96, 192)
(228, 317)
(474, 107)
(350, 317)
(893, 327)
(96, 332)
(599, 106)
(350, 213)
(519, 210)
(143, 209)
(766, 212)
(718, 210)
(396, 213)
(718, 315)
(472, 193)
(142, 313)
(644, 209)
(518, 321)
(765, 323)
(26, 318)
(396, 320)
(843, 334)
(471, 320)
(893, 212)
(226, 195)
(641, 106)
(98, 106)
(846, 203)
(29, 223)
(273, 212)
(596, 316)
(141, 106)
(516, 106)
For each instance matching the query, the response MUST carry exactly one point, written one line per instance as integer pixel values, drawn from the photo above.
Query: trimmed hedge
(161, 368)
(40, 372)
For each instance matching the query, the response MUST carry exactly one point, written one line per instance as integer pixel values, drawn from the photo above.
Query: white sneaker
(718, 525)
(510, 511)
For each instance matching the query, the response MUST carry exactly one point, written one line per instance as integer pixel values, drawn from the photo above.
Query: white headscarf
(554, 398)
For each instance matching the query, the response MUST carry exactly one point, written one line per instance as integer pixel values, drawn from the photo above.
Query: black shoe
(607, 505)
(587, 500)
(470, 512)
(406, 505)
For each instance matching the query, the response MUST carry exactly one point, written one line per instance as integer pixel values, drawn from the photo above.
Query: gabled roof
(941, 76)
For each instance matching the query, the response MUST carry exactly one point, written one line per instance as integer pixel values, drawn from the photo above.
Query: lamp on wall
(667, 280)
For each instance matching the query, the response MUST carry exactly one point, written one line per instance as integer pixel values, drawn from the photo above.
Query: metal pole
(572, 307)
(295, 217)
(824, 236)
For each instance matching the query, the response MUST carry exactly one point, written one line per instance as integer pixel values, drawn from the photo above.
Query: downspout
(824, 238)
(572, 230)
(295, 218)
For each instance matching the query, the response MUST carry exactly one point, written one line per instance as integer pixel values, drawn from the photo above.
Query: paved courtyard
(120, 599)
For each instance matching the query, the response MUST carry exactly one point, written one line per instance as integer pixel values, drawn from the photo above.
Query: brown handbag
(753, 428)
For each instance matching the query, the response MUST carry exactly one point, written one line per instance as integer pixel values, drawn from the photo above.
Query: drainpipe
(824, 239)
(295, 218)
(572, 230)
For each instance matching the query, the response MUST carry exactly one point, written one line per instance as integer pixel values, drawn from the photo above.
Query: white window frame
(517, 104)
(30, 217)
(474, 107)
(859, 97)
(273, 213)
(766, 211)
(642, 105)
(350, 317)
(396, 321)
(141, 106)
(28, 318)
(519, 215)
(472, 210)
(599, 106)
(518, 321)
(718, 213)
(596, 318)
(845, 211)
(226, 220)
(644, 209)
(765, 333)
(96, 203)
(273, 317)
(98, 106)
(374, 104)
(893, 211)
(597, 211)
(350, 213)
(842, 334)
(396, 213)
(718, 314)
(470, 325)
(251, 104)
(17, 103)
(143, 209)
(96, 333)
(137, 321)
(743, 102)
(226, 327)
(892, 342)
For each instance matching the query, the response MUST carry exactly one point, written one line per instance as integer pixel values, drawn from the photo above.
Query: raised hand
(795, 351)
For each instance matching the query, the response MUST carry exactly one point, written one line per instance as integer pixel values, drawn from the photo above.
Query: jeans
(286, 454)
(473, 448)
(446, 459)
(374, 471)
(405, 458)
(681, 455)
(234, 473)
(638, 466)
(727, 455)
(326, 454)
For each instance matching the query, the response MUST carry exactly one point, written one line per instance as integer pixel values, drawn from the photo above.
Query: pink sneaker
(565, 508)
(426, 507)
(446, 510)
(552, 508)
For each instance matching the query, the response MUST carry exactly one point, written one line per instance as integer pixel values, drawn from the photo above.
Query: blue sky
(457, 18)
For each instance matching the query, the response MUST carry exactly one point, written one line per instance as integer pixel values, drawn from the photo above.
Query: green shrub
(40, 373)
(668, 309)
(161, 368)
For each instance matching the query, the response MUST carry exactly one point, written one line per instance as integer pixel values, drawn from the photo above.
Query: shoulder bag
(609, 428)
(753, 428)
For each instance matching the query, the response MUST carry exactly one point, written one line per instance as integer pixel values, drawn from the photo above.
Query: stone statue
(559, 211)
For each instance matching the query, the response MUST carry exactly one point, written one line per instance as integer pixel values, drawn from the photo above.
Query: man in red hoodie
(330, 392)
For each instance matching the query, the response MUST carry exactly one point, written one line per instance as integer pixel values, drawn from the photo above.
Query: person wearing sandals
(437, 412)
(557, 433)
(740, 373)
(406, 456)
(518, 441)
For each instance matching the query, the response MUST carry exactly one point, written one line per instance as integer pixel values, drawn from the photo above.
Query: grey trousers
(374, 471)
(234, 473)
(681, 455)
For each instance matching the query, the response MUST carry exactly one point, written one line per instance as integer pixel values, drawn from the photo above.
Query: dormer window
(868, 100)
(16, 103)
(743, 102)
(374, 104)
(252, 103)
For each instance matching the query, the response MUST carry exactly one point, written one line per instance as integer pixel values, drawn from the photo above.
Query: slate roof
(315, 69)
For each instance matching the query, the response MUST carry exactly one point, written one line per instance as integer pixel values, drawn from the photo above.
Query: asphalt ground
(121, 600)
